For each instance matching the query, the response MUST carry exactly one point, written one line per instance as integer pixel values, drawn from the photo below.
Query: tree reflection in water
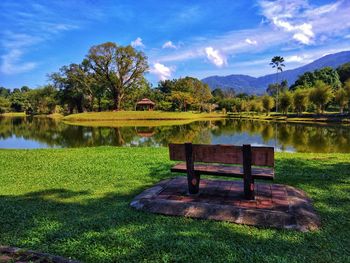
(286, 136)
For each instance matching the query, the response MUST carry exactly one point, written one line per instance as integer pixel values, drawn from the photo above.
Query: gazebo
(145, 104)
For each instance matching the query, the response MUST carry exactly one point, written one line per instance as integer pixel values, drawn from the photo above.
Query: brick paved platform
(278, 206)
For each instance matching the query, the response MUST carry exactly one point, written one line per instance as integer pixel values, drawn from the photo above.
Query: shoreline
(105, 118)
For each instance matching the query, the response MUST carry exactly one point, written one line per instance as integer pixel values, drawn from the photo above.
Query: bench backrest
(225, 154)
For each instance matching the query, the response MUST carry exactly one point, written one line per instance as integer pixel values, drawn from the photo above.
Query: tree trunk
(99, 104)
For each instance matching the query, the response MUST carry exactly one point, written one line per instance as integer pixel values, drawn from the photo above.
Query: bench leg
(248, 179)
(249, 188)
(193, 183)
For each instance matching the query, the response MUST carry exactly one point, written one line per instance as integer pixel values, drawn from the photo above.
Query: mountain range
(252, 85)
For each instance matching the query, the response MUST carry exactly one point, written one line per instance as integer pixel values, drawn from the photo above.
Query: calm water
(48, 133)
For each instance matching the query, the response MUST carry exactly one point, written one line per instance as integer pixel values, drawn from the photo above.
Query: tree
(19, 101)
(25, 89)
(256, 105)
(218, 94)
(272, 89)
(286, 101)
(71, 85)
(341, 98)
(267, 103)
(329, 76)
(300, 99)
(4, 92)
(182, 99)
(344, 72)
(347, 90)
(320, 95)
(229, 93)
(306, 80)
(43, 100)
(4, 104)
(277, 63)
(122, 68)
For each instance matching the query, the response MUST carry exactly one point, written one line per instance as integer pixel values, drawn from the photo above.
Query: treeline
(318, 91)
(110, 77)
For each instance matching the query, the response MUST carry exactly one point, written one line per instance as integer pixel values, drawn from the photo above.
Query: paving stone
(275, 205)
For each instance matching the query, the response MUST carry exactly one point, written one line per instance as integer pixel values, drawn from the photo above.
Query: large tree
(122, 68)
(277, 62)
(71, 83)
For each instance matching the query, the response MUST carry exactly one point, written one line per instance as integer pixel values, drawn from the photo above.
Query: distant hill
(252, 85)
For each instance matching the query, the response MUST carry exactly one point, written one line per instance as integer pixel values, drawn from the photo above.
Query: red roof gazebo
(145, 104)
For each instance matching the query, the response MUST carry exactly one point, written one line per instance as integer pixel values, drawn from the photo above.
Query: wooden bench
(254, 163)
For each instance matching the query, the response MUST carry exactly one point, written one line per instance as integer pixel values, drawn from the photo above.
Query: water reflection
(46, 133)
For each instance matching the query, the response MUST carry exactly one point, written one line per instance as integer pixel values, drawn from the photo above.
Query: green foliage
(267, 103)
(344, 72)
(4, 92)
(218, 94)
(277, 62)
(4, 105)
(300, 99)
(286, 101)
(19, 101)
(75, 203)
(341, 98)
(327, 75)
(43, 100)
(320, 95)
(256, 105)
(347, 90)
(121, 68)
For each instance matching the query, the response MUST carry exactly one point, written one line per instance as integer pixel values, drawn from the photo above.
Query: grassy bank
(139, 115)
(303, 118)
(75, 203)
(13, 114)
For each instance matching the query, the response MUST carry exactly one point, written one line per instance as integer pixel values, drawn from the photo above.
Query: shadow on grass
(105, 229)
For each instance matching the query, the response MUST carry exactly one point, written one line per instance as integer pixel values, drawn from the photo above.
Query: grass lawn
(13, 114)
(139, 115)
(75, 203)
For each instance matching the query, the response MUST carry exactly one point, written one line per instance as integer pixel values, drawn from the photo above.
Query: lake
(29, 132)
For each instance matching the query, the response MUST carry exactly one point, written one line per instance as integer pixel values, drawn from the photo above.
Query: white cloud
(287, 15)
(137, 43)
(347, 36)
(294, 22)
(11, 63)
(161, 71)
(169, 44)
(215, 56)
(302, 38)
(295, 58)
(251, 42)
(303, 32)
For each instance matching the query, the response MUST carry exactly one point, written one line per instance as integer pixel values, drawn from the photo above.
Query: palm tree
(277, 63)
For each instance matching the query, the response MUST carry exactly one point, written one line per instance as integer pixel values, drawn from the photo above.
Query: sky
(180, 38)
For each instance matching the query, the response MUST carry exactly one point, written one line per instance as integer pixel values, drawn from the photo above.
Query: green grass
(13, 114)
(75, 203)
(139, 115)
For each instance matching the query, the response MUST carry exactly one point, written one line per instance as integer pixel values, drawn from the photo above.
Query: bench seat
(224, 170)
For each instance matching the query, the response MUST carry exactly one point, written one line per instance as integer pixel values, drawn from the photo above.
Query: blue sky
(180, 38)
